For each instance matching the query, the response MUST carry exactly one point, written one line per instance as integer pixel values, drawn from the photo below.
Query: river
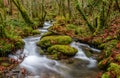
(39, 66)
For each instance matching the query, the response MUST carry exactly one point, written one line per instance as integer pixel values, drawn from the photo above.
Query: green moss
(34, 32)
(5, 64)
(88, 54)
(27, 31)
(6, 48)
(117, 57)
(71, 26)
(41, 52)
(52, 40)
(62, 49)
(115, 69)
(106, 75)
(108, 38)
(103, 64)
(19, 44)
(48, 34)
(108, 46)
(97, 41)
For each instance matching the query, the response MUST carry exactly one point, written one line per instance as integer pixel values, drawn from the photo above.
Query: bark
(84, 16)
(23, 12)
(69, 9)
(117, 4)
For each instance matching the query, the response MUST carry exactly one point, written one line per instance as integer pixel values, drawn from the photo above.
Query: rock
(48, 34)
(34, 32)
(52, 40)
(62, 51)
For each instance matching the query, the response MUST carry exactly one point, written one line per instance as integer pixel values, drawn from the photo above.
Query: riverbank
(108, 41)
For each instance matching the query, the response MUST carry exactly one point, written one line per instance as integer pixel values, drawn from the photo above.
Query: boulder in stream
(62, 51)
(52, 40)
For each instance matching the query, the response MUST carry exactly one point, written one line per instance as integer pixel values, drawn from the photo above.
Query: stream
(39, 66)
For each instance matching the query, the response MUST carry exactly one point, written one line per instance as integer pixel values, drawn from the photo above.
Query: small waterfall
(81, 55)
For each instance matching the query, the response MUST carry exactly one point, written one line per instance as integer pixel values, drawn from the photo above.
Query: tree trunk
(83, 16)
(23, 12)
(117, 4)
(69, 9)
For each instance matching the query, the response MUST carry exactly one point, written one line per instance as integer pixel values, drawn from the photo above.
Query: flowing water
(39, 66)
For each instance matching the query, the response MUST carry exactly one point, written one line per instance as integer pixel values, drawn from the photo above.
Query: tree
(23, 12)
(84, 16)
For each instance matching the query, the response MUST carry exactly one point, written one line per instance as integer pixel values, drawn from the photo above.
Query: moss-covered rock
(62, 50)
(27, 31)
(52, 40)
(19, 44)
(34, 32)
(48, 34)
(88, 54)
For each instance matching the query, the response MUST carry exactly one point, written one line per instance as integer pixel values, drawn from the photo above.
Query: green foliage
(106, 75)
(64, 50)
(52, 40)
(27, 31)
(117, 57)
(97, 40)
(103, 64)
(19, 43)
(71, 26)
(108, 46)
(5, 48)
(115, 69)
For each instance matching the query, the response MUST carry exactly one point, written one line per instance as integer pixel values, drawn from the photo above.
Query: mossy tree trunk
(42, 14)
(2, 19)
(69, 9)
(23, 12)
(117, 4)
(84, 16)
